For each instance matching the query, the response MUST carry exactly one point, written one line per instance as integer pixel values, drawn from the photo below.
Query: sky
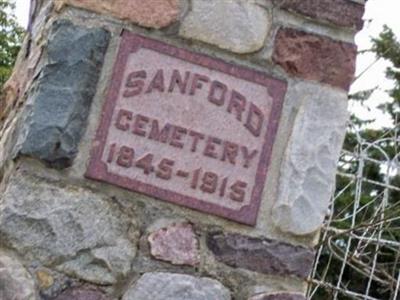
(378, 13)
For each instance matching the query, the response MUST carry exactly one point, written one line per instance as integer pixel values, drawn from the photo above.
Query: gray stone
(68, 229)
(170, 286)
(261, 255)
(58, 104)
(51, 283)
(309, 166)
(82, 293)
(15, 282)
(236, 25)
(279, 296)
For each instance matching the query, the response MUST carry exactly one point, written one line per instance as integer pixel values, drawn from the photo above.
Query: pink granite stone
(315, 57)
(149, 13)
(339, 12)
(176, 243)
(260, 255)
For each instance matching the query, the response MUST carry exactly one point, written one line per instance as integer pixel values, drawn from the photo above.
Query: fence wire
(358, 256)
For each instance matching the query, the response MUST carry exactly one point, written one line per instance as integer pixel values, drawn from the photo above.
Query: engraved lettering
(196, 137)
(125, 157)
(176, 80)
(181, 173)
(197, 83)
(237, 103)
(139, 124)
(238, 191)
(230, 152)
(157, 82)
(195, 179)
(223, 187)
(247, 156)
(209, 182)
(217, 93)
(122, 118)
(145, 163)
(176, 137)
(134, 87)
(255, 120)
(165, 169)
(158, 135)
(111, 153)
(187, 128)
(209, 149)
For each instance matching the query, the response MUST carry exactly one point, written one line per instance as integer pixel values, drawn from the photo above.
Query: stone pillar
(172, 149)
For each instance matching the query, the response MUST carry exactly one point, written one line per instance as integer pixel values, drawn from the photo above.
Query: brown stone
(149, 13)
(44, 278)
(279, 296)
(18, 82)
(339, 12)
(176, 244)
(82, 293)
(314, 57)
(261, 255)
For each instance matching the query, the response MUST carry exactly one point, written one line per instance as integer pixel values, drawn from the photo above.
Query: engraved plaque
(187, 128)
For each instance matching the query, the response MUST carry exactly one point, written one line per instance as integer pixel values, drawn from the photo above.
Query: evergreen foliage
(377, 146)
(10, 39)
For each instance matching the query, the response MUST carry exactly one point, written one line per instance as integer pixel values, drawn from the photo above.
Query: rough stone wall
(63, 236)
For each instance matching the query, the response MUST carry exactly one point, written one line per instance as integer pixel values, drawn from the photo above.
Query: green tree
(386, 143)
(11, 35)
(388, 47)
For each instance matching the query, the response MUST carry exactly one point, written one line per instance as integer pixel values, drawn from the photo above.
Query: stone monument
(172, 149)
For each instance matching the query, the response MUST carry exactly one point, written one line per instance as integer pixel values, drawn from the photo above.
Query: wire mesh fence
(358, 256)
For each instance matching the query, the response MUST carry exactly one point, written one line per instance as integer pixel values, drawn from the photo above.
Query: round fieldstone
(71, 229)
(170, 286)
(239, 26)
(260, 255)
(339, 12)
(308, 169)
(315, 57)
(148, 13)
(54, 121)
(176, 243)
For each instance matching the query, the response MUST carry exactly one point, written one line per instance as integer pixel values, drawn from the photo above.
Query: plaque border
(97, 169)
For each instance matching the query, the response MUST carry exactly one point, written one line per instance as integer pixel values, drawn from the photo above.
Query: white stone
(170, 286)
(309, 164)
(240, 26)
(15, 282)
(68, 229)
